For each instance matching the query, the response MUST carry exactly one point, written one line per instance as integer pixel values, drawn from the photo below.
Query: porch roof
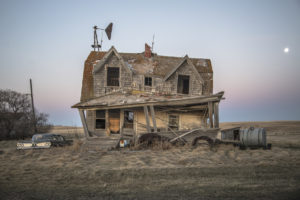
(129, 100)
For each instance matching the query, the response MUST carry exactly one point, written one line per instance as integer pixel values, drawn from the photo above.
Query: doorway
(114, 121)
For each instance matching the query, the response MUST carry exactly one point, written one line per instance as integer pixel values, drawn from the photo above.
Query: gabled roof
(102, 62)
(185, 59)
(137, 63)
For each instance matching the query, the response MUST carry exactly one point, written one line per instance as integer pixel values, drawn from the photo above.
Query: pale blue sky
(49, 41)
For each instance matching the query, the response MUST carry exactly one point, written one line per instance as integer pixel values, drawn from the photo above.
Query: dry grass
(68, 131)
(224, 172)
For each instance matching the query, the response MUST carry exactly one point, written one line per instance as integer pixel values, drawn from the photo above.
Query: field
(83, 171)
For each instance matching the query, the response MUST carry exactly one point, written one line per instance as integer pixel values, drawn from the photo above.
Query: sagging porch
(136, 118)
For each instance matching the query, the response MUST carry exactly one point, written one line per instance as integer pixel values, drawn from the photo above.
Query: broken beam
(147, 119)
(153, 118)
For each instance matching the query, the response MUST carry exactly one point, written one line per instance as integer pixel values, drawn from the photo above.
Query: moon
(286, 50)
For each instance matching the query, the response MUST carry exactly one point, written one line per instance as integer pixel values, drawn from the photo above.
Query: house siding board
(100, 85)
(99, 82)
(208, 83)
(126, 78)
(156, 66)
(90, 120)
(186, 121)
(185, 69)
(87, 90)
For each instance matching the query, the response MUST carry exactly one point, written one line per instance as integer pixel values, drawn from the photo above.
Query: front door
(114, 121)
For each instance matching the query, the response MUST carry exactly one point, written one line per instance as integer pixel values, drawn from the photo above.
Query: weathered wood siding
(100, 78)
(90, 120)
(131, 81)
(186, 120)
(185, 69)
(91, 123)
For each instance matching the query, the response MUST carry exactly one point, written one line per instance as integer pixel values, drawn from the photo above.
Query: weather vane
(108, 31)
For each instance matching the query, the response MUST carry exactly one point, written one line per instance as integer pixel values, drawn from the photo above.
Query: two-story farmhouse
(135, 93)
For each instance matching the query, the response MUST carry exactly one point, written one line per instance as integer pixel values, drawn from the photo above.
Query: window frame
(126, 122)
(100, 118)
(170, 126)
(108, 77)
(148, 79)
(184, 76)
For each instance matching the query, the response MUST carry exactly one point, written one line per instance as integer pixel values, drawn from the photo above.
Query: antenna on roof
(152, 43)
(107, 30)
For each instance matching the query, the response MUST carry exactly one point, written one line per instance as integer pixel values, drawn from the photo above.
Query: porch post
(210, 114)
(121, 121)
(153, 118)
(107, 123)
(147, 119)
(216, 115)
(83, 121)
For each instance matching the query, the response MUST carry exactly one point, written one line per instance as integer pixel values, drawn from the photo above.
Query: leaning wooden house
(129, 94)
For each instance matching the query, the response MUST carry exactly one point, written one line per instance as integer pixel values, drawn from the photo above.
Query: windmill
(107, 30)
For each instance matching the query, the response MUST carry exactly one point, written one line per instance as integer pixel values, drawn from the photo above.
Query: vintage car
(44, 141)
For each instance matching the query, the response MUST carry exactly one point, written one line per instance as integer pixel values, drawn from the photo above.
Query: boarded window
(128, 119)
(100, 119)
(174, 122)
(114, 121)
(183, 85)
(113, 74)
(148, 81)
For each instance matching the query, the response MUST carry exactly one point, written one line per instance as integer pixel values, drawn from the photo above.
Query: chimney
(147, 51)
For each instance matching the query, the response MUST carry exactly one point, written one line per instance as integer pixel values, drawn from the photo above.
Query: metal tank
(253, 137)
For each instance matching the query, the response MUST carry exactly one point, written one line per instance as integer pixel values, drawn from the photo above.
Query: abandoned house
(128, 94)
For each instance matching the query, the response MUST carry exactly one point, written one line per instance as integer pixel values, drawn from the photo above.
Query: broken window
(128, 119)
(113, 74)
(158, 130)
(100, 119)
(148, 81)
(174, 122)
(183, 85)
(236, 135)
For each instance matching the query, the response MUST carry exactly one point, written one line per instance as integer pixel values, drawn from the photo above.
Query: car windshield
(39, 137)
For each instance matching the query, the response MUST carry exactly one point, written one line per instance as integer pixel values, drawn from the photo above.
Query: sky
(49, 41)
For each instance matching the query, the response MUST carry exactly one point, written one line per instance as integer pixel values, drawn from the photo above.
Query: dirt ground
(225, 172)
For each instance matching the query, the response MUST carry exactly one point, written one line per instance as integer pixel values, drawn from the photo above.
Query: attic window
(113, 76)
(174, 122)
(100, 119)
(148, 81)
(183, 85)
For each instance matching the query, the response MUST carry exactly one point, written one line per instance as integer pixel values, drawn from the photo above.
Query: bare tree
(16, 115)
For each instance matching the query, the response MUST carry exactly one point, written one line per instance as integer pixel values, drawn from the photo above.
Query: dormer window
(113, 74)
(148, 81)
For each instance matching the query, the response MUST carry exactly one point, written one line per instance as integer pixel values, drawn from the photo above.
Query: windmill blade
(108, 30)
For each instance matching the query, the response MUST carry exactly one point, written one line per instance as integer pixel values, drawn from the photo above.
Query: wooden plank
(147, 119)
(184, 134)
(172, 131)
(153, 118)
(121, 121)
(216, 115)
(210, 114)
(83, 121)
(174, 102)
(107, 123)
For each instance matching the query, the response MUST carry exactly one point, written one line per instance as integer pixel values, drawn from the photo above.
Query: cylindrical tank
(253, 137)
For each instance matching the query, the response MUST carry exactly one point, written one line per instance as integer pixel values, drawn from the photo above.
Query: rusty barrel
(253, 137)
